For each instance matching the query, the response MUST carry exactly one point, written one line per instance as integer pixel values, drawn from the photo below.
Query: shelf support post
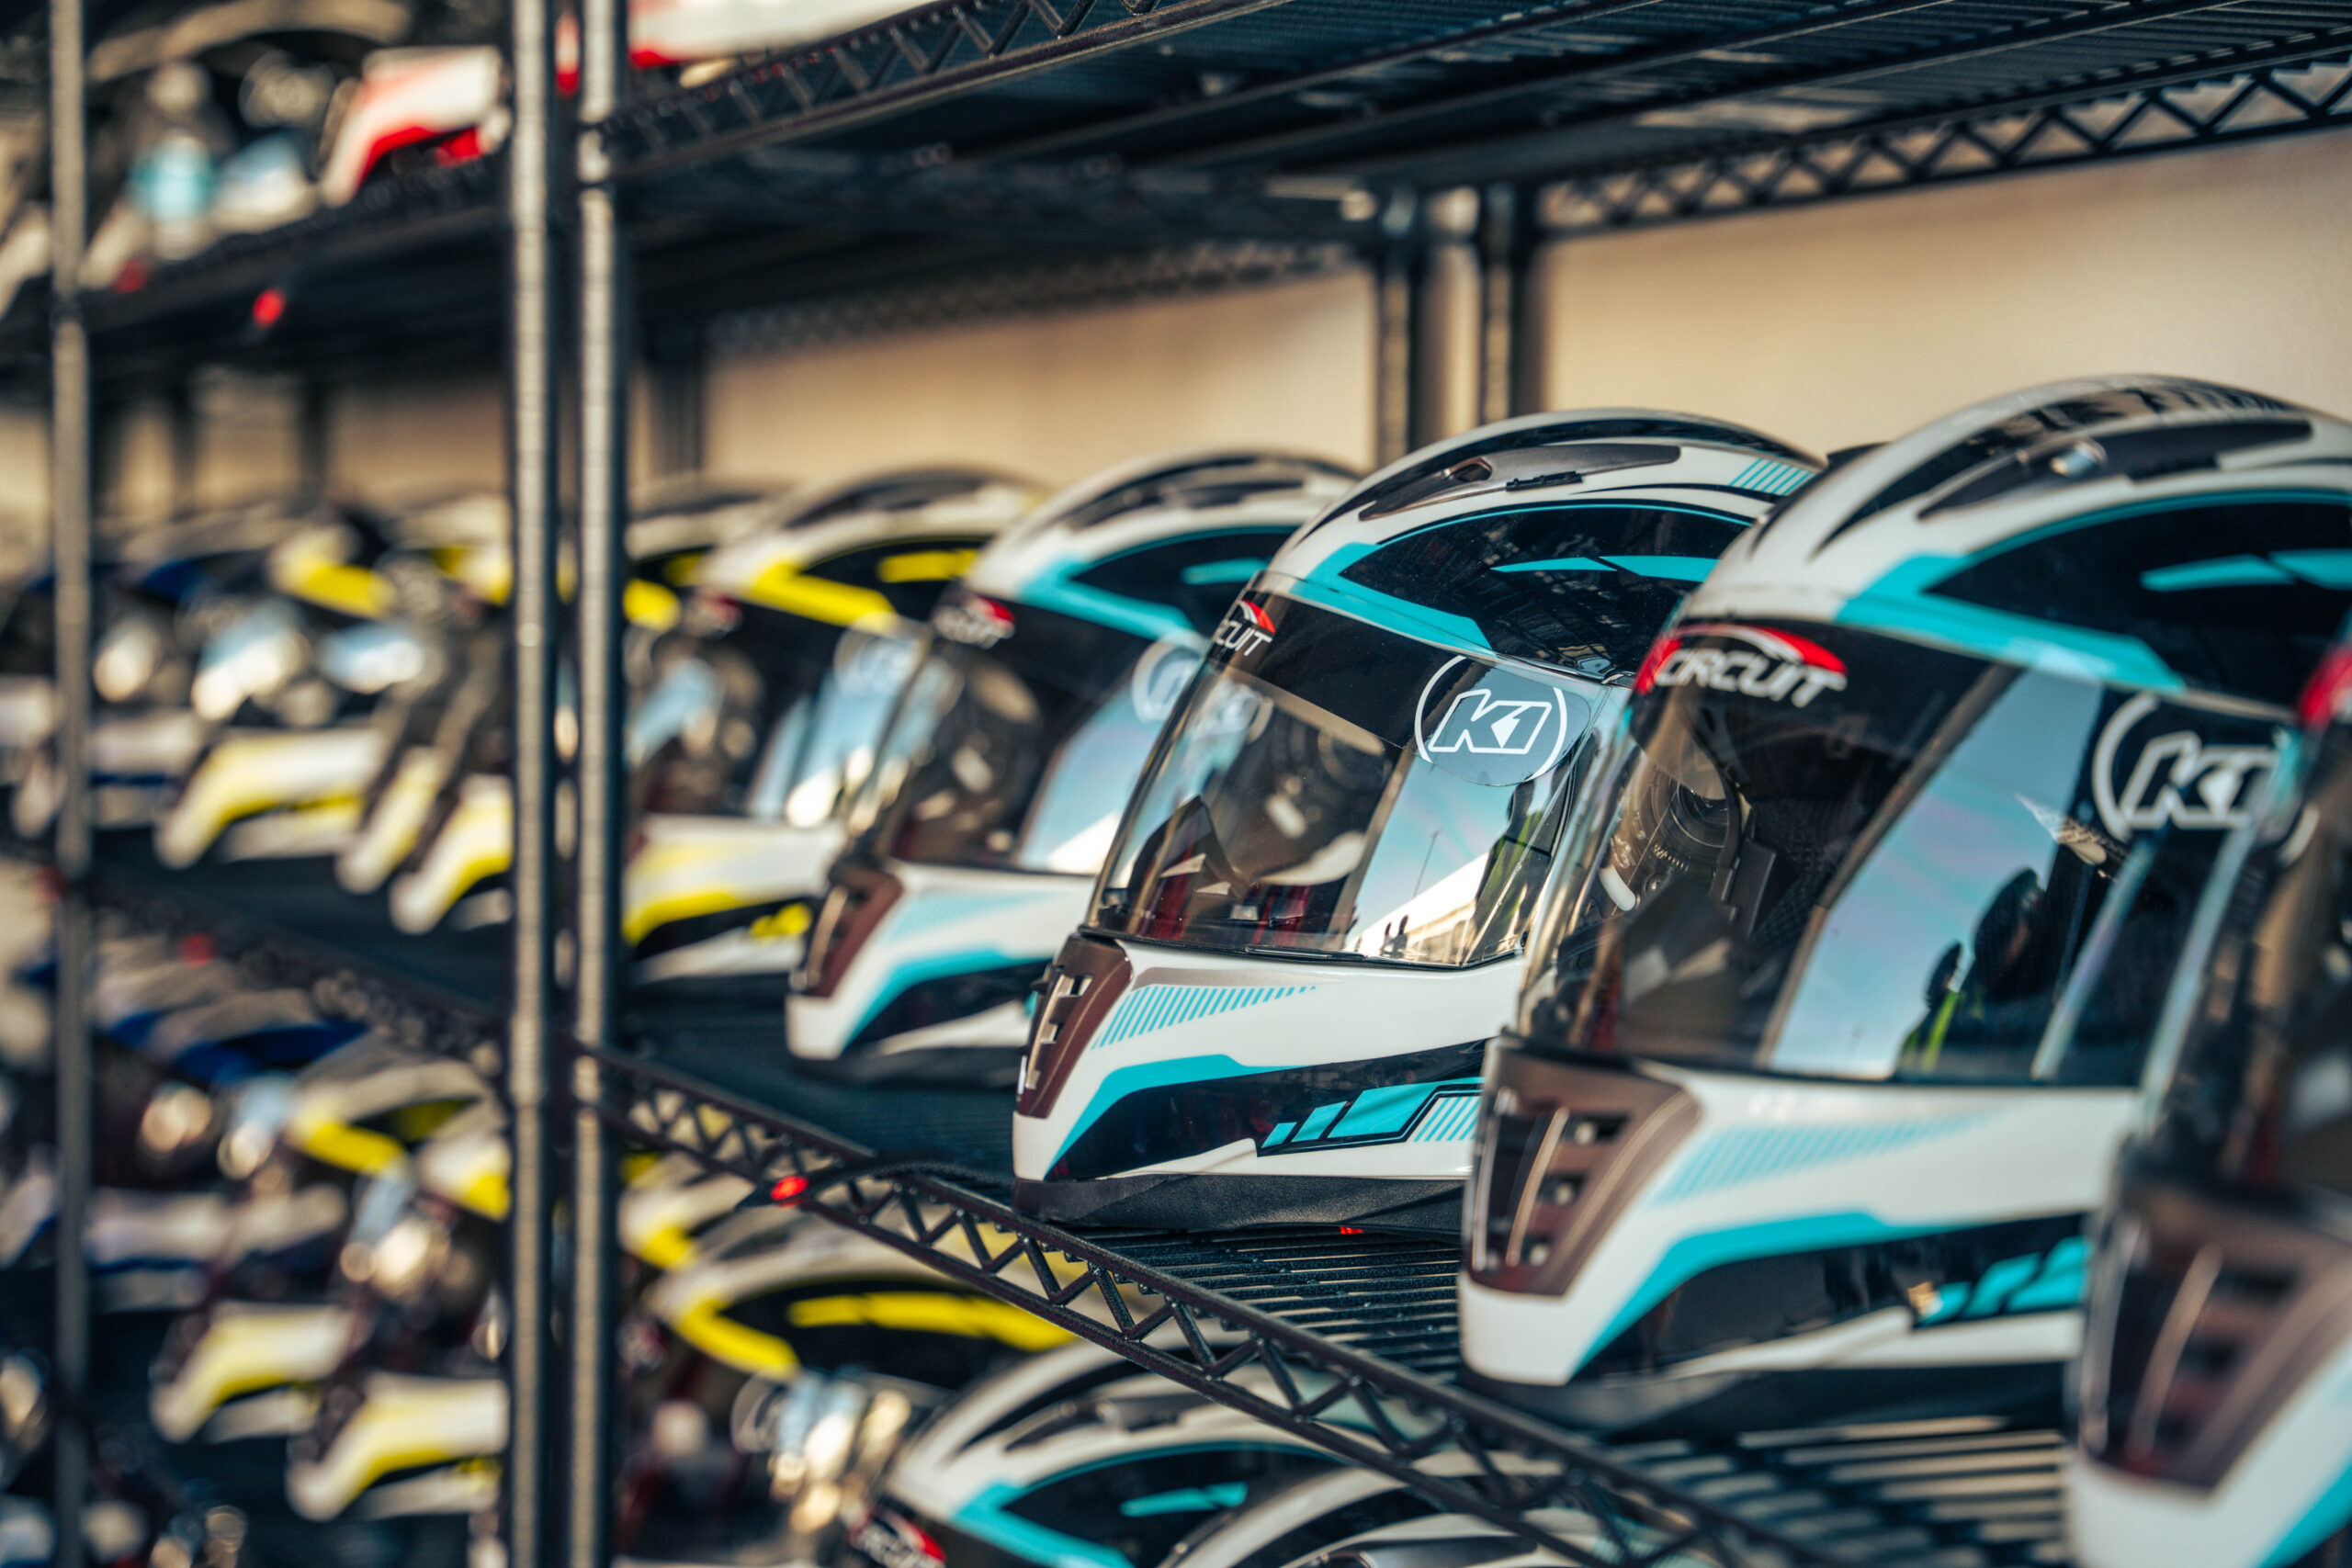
(71, 1060)
(532, 445)
(603, 794)
(1400, 412)
(1510, 361)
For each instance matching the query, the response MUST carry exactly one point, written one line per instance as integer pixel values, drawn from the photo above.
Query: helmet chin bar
(2207, 1315)
(860, 896)
(1563, 1150)
(1085, 982)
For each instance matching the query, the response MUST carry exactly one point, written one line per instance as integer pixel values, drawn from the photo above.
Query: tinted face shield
(1838, 854)
(2226, 1275)
(1335, 790)
(765, 716)
(1017, 739)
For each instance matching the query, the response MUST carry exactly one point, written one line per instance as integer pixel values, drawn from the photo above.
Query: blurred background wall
(1829, 325)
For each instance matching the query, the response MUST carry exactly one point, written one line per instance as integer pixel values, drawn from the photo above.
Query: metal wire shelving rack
(980, 156)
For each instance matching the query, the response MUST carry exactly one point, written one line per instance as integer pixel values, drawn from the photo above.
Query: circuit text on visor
(1774, 666)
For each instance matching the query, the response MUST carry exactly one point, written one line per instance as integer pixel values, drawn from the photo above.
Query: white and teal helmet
(999, 782)
(1315, 910)
(2211, 1398)
(1073, 1459)
(760, 705)
(1841, 1003)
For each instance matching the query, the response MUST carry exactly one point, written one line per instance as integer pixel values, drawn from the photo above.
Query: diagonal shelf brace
(1405, 1415)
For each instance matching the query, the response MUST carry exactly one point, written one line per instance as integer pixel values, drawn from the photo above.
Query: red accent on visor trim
(2329, 690)
(1781, 645)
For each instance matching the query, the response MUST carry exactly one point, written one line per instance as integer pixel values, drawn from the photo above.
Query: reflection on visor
(778, 721)
(253, 656)
(1021, 754)
(371, 656)
(2262, 1094)
(1333, 788)
(1841, 854)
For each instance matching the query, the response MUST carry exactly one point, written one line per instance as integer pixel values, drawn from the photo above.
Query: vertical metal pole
(1530, 389)
(1498, 302)
(1399, 396)
(69, 479)
(532, 486)
(604, 804)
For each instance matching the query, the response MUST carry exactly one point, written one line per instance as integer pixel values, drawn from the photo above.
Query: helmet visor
(1830, 853)
(779, 726)
(1333, 788)
(2261, 1096)
(1017, 739)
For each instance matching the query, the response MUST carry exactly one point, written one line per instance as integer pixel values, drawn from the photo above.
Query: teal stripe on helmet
(2224, 571)
(1903, 602)
(1682, 569)
(939, 966)
(1565, 563)
(1772, 477)
(1898, 603)
(1382, 1111)
(1694, 1255)
(1137, 618)
(2330, 1512)
(1223, 571)
(1453, 1116)
(2326, 569)
(988, 1517)
(1122, 1082)
(928, 913)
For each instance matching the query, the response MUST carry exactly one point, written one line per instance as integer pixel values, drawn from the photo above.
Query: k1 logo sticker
(1501, 730)
(2178, 779)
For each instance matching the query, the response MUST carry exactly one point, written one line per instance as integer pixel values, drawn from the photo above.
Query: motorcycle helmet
(1365, 1518)
(1315, 910)
(301, 1154)
(415, 1417)
(666, 1201)
(2209, 1399)
(761, 711)
(999, 782)
(160, 597)
(1837, 1012)
(754, 1363)
(295, 683)
(1072, 1457)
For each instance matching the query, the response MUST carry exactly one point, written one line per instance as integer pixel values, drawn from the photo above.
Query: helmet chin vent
(854, 905)
(1086, 981)
(1565, 1149)
(2215, 1313)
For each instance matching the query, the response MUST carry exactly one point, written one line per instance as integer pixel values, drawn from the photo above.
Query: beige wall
(1834, 324)
(416, 440)
(1854, 322)
(1058, 397)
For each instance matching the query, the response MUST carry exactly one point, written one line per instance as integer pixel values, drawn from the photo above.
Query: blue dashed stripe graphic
(1150, 1008)
(1452, 1116)
(1771, 478)
(1743, 1154)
